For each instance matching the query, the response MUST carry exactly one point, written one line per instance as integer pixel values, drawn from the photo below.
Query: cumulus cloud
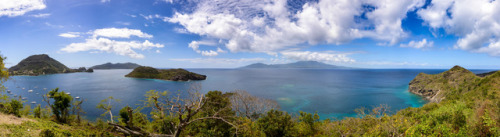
(124, 48)
(475, 22)
(70, 35)
(270, 25)
(13, 8)
(326, 56)
(120, 33)
(100, 40)
(423, 44)
(195, 45)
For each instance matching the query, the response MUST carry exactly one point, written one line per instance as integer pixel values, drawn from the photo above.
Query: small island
(165, 74)
(42, 64)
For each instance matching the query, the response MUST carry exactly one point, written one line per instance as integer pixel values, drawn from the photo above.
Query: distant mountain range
(127, 65)
(40, 65)
(299, 64)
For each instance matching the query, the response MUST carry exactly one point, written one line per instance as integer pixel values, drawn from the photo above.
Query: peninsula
(165, 74)
(455, 81)
(42, 64)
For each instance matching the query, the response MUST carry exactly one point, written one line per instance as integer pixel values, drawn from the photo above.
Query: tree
(37, 111)
(15, 105)
(77, 110)
(277, 124)
(4, 73)
(62, 102)
(174, 114)
(250, 106)
(105, 104)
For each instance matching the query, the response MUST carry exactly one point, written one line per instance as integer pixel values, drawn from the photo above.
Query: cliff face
(436, 87)
(165, 74)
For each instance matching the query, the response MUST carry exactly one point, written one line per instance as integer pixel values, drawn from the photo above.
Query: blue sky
(234, 33)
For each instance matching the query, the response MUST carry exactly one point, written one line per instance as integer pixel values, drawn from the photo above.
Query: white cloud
(41, 15)
(13, 8)
(99, 41)
(269, 26)
(120, 33)
(475, 22)
(195, 45)
(104, 1)
(326, 56)
(423, 44)
(124, 48)
(70, 35)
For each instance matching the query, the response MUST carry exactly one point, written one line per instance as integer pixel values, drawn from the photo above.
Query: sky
(235, 33)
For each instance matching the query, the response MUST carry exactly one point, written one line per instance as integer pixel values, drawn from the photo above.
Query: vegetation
(61, 104)
(469, 107)
(165, 74)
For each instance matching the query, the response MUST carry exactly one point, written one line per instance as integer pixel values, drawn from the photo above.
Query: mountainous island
(109, 65)
(165, 74)
(299, 64)
(42, 64)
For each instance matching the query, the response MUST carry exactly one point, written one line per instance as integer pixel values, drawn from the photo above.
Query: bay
(332, 93)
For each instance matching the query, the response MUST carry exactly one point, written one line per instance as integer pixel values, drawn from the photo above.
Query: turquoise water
(330, 92)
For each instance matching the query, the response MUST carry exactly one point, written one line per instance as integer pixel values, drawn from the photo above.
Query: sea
(332, 93)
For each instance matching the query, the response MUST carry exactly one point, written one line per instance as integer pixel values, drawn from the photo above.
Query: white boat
(68, 93)
(78, 97)
(37, 93)
(24, 98)
(33, 102)
(30, 91)
(23, 88)
(44, 88)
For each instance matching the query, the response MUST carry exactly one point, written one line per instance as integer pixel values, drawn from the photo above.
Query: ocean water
(332, 93)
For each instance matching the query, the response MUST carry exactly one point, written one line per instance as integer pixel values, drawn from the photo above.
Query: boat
(24, 98)
(78, 97)
(33, 102)
(30, 91)
(44, 88)
(23, 88)
(37, 93)
(68, 93)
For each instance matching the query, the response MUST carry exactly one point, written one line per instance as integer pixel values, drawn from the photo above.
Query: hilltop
(109, 65)
(165, 74)
(40, 65)
(299, 64)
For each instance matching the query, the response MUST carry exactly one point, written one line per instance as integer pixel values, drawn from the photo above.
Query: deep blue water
(333, 93)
